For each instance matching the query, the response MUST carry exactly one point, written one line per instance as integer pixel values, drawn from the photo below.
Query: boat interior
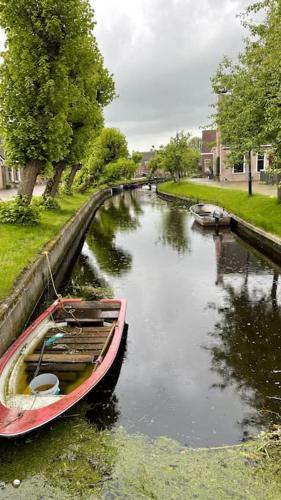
(80, 333)
(208, 210)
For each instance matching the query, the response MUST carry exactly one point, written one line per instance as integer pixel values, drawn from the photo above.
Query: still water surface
(203, 355)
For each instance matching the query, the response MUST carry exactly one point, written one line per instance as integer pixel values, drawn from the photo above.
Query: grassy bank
(260, 210)
(19, 245)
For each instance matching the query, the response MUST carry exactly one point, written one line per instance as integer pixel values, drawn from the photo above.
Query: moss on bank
(260, 210)
(72, 459)
(19, 245)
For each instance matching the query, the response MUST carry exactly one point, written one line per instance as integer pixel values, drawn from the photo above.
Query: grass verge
(19, 245)
(260, 210)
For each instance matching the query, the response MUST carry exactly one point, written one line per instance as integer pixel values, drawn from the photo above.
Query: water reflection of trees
(116, 215)
(85, 281)
(174, 229)
(247, 353)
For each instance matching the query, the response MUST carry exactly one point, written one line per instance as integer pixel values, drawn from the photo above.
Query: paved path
(258, 187)
(7, 194)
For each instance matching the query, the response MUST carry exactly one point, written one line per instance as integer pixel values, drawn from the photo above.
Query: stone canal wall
(268, 244)
(16, 310)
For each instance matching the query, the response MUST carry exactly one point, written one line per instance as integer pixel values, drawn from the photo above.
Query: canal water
(201, 361)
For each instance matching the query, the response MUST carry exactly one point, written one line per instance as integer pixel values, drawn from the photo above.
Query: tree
(38, 80)
(93, 89)
(136, 157)
(122, 168)
(248, 115)
(107, 148)
(178, 157)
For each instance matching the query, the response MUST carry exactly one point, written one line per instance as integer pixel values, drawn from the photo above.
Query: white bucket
(46, 379)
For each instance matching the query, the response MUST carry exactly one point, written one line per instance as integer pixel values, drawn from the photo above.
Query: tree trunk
(52, 186)
(250, 177)
(71, 176)
(29, 175)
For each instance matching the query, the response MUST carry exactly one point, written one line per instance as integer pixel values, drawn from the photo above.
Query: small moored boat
(59, 359)
(210, 215)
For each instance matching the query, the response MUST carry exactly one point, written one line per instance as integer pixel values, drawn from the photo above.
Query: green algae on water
(72, 459)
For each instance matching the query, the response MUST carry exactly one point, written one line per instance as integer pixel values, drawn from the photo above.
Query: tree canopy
(248, 111)
(179, 157)
(110, 146)
(53, 85)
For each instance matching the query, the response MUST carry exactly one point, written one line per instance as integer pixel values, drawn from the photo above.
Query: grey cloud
(163, 65)
(163, 54)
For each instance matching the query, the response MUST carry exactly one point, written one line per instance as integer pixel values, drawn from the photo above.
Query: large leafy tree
(92, 89)
(178, 157)
(39, 79)
(249, 113)
(109, 147)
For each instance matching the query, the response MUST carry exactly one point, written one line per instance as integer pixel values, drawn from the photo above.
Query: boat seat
(62, 358)
(32, 402)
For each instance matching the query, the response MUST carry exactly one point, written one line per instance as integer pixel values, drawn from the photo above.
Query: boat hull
(209, 220)
(15, 422)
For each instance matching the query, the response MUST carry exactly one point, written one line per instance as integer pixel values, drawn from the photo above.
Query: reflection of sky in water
(184, 375)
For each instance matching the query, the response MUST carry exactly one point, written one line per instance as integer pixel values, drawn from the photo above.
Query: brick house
(214, 160)
(143, 165)
(238, 172)
(206, 162)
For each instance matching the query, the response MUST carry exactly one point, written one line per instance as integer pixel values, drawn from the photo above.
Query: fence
(270, 177)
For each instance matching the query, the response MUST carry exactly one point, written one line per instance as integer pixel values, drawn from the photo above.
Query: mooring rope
(51, 275)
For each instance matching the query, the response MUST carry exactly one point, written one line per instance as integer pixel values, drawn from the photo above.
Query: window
(16, 174)
(207, 164)
(260, 162)
(238, 168)
(10, 175)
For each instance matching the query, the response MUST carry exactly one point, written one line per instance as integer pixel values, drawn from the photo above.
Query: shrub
(19, 212)
(50, 203)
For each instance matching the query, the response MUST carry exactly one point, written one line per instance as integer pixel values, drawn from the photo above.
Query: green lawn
(20, 245)
(262, 211)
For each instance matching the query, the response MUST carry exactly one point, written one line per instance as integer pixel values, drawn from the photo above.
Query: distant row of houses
(10, 177)
(213, 163)
(214, 160)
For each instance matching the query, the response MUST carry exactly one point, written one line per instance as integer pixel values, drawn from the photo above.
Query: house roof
(146, 156)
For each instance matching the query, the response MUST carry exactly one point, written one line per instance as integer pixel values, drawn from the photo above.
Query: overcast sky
(162, 54)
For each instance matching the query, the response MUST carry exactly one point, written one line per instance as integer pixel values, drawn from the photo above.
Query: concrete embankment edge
(267, 244)
(19, 306)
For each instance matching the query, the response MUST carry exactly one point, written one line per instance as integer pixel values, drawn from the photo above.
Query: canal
(200, 364)
(202, 361)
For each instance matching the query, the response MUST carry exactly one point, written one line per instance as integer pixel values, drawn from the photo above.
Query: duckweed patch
(72, 459)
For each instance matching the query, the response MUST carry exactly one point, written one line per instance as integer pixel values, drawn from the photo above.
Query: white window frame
(264, 162)
(244, 168)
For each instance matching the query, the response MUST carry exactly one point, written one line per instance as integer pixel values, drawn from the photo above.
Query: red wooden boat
(75, 340)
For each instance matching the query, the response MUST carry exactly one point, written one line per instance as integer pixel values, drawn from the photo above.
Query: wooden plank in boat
(71, 321)
(69, 376)
(106, 306)
(61, 358)
(95, 348)
(81, 340)
(78, 335)
(89, 315)
(83, 331)
(110, 314)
